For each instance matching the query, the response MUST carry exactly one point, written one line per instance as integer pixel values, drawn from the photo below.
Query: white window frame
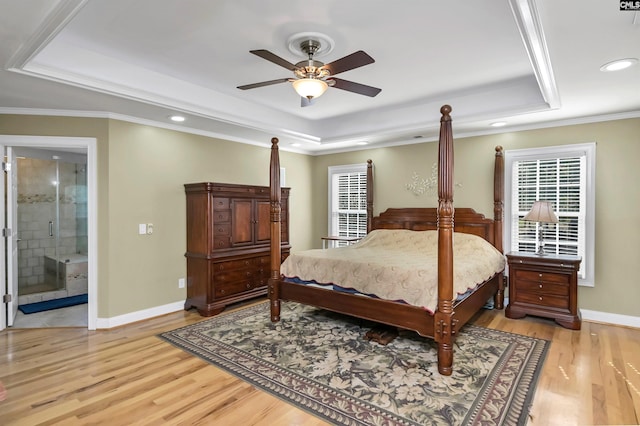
(334, 172)
(586, 276)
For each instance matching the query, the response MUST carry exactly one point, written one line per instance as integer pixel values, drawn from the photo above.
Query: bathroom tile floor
(73, 316)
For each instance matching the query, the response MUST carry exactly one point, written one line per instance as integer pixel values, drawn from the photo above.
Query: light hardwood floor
(128, 376)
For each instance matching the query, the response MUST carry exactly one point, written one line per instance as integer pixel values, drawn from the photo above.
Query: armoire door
(262, 225)
(242, 222)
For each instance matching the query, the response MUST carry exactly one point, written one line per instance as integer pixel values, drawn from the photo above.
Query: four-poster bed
(450, 314)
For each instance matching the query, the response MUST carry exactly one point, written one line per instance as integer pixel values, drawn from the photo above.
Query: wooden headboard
(423, 219)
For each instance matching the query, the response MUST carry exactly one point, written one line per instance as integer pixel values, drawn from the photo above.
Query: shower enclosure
(52, 224)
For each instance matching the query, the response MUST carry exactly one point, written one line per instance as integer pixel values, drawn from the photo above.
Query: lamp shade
(541, 211)
(310, 87)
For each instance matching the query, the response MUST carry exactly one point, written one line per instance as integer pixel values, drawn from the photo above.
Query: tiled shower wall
(37, 206)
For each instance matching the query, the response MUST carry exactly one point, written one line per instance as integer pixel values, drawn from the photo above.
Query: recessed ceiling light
(499, 124)
(362, 143)
(618, 65)
(177, 118)
(295, 144)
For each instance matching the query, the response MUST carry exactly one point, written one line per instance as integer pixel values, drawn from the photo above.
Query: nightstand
(545, 286)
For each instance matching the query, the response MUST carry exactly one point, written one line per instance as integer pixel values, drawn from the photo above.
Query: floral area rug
(321, 362)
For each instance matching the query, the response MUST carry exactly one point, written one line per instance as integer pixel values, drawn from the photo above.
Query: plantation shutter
(562, 181)
(348, 196)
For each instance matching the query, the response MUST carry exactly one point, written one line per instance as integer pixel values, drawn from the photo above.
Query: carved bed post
(444, 323)
(498, 216)
(274, 185)
(369, 194)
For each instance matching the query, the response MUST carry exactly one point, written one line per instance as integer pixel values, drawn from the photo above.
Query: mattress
(397, 264)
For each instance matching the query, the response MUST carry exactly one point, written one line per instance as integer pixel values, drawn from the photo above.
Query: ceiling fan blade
(305, 102)
(263, 83)
(272, 57)
(349, 62)
(358, 88)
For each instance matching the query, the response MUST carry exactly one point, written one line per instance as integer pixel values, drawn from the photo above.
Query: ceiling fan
(312, 78)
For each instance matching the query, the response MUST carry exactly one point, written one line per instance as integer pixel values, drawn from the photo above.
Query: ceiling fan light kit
(312, 77)
(310, 88)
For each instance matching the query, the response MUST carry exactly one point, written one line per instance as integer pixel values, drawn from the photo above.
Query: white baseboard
(609, 318)
(104, 323)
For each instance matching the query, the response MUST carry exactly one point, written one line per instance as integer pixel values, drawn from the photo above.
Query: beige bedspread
(398, 264)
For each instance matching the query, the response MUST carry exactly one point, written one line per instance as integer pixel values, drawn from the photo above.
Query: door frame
(71, 143)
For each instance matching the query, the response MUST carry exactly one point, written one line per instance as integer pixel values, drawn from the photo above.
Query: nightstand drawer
(543, 288)
(544, 300)
(542, 276)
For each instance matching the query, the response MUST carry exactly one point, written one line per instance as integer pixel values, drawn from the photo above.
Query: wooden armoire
(228, 235)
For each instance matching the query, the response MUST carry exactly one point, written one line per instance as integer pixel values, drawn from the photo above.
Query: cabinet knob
(222, 291)
(248, 285)
(540, 298)
(540, 275)
(540, 285)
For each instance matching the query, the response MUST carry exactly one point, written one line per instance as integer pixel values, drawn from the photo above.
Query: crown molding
(529, 24)
(55, 22)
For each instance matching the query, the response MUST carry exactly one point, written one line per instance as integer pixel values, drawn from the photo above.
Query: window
(348, 201)
(564, 176)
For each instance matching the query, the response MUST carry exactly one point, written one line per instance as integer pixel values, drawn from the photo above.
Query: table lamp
(542, 212)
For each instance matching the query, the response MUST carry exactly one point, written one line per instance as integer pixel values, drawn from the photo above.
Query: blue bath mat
(32, 308)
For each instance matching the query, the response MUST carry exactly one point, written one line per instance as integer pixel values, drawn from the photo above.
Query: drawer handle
(540, 286)
(540, 275)
(248, 273)
(248, 285)
(540, 298)
(222, 291)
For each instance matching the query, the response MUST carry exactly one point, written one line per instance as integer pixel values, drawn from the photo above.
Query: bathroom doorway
(52, 236)
(50, 227)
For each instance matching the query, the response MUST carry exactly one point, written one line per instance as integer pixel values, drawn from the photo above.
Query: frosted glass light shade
(310, 87)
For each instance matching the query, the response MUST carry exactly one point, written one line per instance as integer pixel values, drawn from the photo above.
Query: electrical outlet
(149, 228)
(181, 283)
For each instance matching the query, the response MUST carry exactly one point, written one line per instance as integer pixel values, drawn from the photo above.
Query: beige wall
(149, 167)
(141, 171)
(617, 197)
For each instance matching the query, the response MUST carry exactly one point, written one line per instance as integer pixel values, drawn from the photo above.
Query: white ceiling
(530, 63)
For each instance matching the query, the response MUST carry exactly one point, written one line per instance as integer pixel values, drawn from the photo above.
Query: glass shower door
(49, 229)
